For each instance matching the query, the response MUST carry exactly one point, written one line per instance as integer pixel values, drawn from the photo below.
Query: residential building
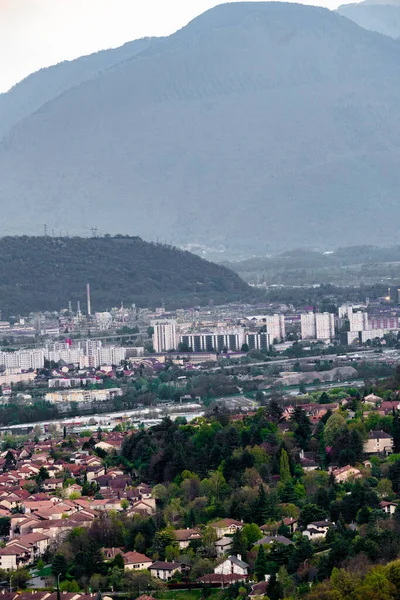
(258, 341)
(164, 337)
(308, 327)
(221, 340)
(358, 321)
(164, 570)
(388, 508)
(345, 473)
(317, 530)
(223, 545)
(136, 561)
(83, 395)
(379, 442)
(23, 359)
(185, 536)
(275, 326)
(232, 565)
(325, 326)
(226, 527)
(269, 540)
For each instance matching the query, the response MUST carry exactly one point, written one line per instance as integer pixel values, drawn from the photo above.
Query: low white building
(232, 565)
(82, 395)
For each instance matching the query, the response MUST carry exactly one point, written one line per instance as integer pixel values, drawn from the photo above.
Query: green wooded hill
(44, 273)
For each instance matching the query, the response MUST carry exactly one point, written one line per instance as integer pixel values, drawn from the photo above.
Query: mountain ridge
(277, 122)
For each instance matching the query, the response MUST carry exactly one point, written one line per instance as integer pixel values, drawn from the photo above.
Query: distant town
(147, 452)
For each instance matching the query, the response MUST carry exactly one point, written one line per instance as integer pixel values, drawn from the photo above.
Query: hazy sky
(39, 33)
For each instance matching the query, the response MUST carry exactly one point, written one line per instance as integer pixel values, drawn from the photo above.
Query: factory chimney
(89, 310)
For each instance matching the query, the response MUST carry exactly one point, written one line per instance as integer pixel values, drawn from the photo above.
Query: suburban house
(223, 545)
(164, 570)
(14, 556)
(378, 442)
(388, 507)
(185, 536)
(346, 473)
(317, 530)
(269, 540)
(226, 527)
(135, 560)
(232, 565)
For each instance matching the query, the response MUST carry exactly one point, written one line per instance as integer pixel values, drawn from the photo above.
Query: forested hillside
(44, 273)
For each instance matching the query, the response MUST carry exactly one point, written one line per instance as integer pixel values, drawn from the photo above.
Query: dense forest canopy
(44, 273)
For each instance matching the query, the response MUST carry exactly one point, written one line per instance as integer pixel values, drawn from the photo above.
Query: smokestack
(89, 310)
(79, 308)
(70, 307)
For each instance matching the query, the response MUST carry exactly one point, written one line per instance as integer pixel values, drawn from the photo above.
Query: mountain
(382, 16)
(36, 90)
(44, 273)
(259, 126)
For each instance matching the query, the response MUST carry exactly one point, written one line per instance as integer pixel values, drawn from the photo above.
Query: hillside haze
(382, 16)
(44, 273)
(257, 126)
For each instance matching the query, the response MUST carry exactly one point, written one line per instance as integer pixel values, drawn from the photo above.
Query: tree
(324, 398)
(59, 567)
(20, 578)
(334, 427)
(4, 526)
(239, 545)
(245, 348)
(284, 468)
(10, 461)
(303, 427)
(311, 512)
(138, 583)
(261, 513)
(252, 533)
(274, 411)
(209, 536)
(140, 543)
(124, 504)
(260, 566)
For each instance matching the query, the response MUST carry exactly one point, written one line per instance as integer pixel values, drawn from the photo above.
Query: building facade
(164, 337)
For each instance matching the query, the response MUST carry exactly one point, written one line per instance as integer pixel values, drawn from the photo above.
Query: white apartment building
(23, 359)
(320, 326)
(308, 327)
(221, 340)
(110, 355)
(372, 334)
(164, 337)
(275, 326)
(358, 321)
(325, 326)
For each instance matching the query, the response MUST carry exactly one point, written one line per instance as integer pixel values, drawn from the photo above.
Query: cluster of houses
(38, 519)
